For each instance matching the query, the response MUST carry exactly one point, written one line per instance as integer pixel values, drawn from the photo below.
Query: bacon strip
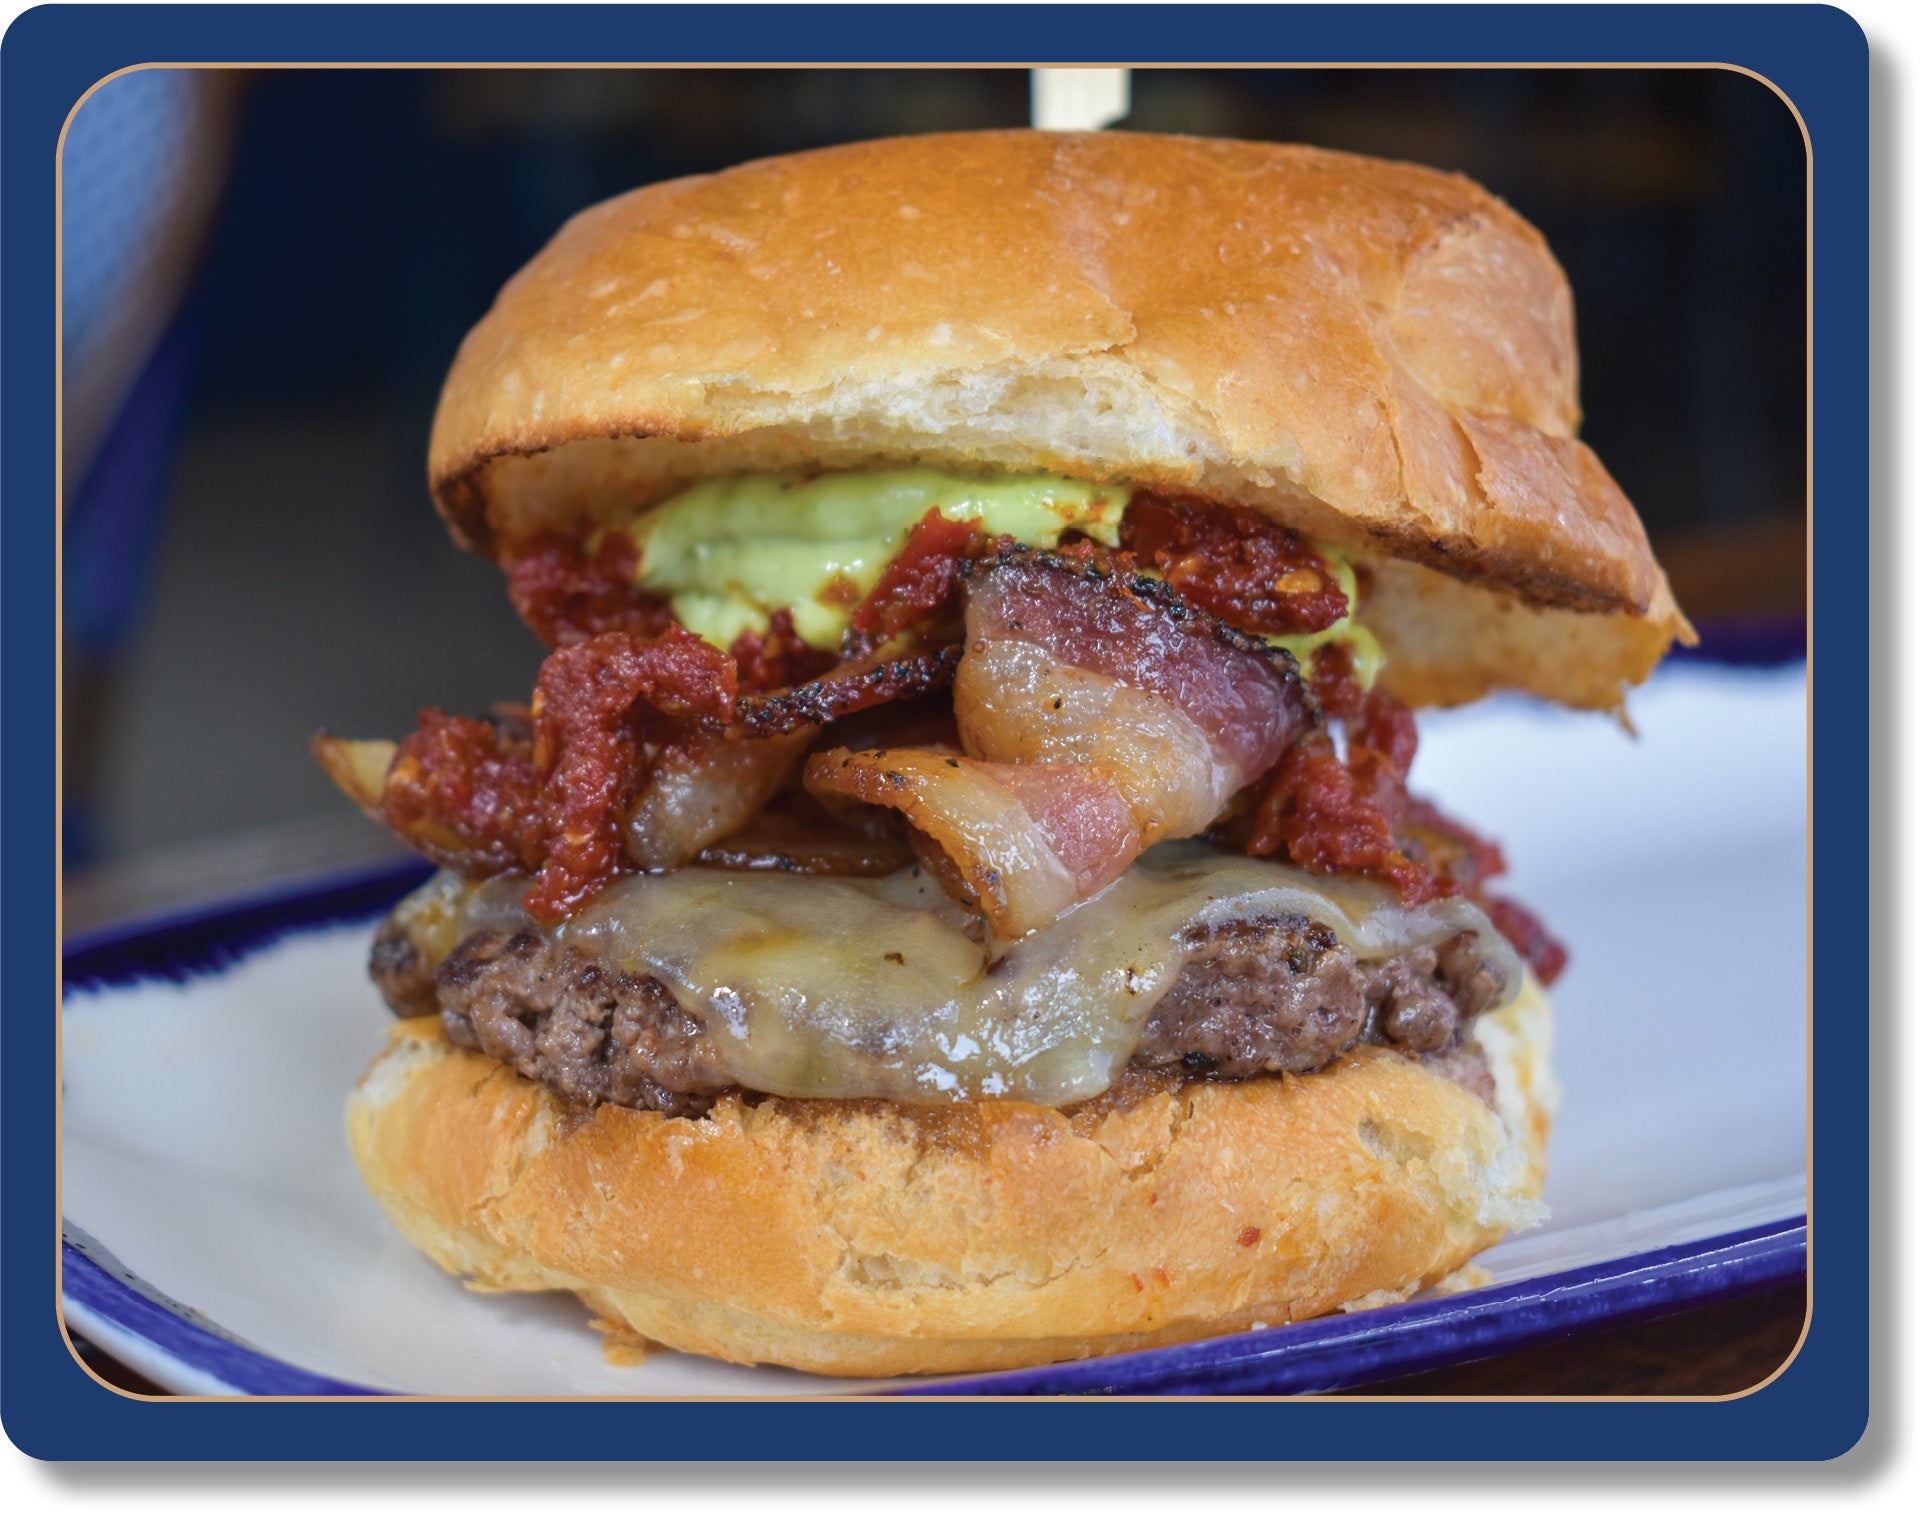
(1059, 650)
(359, 768)
(1099, 714)
(848, 689)
(1026, 842)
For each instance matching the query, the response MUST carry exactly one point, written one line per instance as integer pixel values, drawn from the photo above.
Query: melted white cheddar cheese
(877, 988)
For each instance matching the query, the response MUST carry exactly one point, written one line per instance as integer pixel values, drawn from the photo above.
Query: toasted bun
(1376, 353)
(864, 1238)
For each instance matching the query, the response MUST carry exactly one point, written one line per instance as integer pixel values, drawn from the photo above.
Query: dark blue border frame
(1817, 57)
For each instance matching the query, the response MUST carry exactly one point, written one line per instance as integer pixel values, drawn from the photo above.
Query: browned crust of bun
(1374, 352)
(869, 1239)
(1448, 643)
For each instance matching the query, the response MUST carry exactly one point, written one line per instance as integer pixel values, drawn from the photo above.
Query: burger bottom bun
(872, 1239)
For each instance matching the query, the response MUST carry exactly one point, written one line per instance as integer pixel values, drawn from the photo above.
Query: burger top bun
(1378, 354)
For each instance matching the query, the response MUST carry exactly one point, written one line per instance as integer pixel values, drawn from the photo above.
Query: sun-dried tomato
(1337, 817)
(1335, 687)
(466, 794)
(1341, 815)
(567, 595)
(776, 658)
(1448, 847)
(591, 707)
(1355, 815)
(1112, 559)
(1373, 719)
(1471, 861)
(1250, 571)
(922, 581)
(1535, 944)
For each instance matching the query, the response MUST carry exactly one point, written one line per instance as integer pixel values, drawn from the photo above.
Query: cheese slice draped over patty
(848, 988)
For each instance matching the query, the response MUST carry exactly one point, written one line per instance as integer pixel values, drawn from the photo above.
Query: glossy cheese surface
(883, 988)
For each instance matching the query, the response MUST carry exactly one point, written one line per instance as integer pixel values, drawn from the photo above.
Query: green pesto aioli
(730, 551)
(1362, 645)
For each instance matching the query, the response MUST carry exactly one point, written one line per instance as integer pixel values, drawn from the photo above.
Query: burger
(953, 898)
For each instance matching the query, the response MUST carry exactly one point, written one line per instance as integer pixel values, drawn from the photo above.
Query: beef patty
(1278, 994)
(1281, 995)
(592, 1034)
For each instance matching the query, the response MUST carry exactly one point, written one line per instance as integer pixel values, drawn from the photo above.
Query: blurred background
(266, 275)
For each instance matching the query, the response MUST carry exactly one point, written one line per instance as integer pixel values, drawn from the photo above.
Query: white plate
(203, 1149)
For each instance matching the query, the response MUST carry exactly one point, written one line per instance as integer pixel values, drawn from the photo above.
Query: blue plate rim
(171, 1330)
(1304, 1357)
(1395, 1341)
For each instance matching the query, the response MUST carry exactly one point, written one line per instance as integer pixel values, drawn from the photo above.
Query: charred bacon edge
(847, 690)
(1098, 564)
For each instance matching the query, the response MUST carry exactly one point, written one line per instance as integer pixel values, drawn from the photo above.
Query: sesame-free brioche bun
(1378, 354)
(871, 1239)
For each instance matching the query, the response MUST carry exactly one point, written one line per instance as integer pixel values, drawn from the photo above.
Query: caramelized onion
(795, 834)
(701, 791)
(359, 768)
